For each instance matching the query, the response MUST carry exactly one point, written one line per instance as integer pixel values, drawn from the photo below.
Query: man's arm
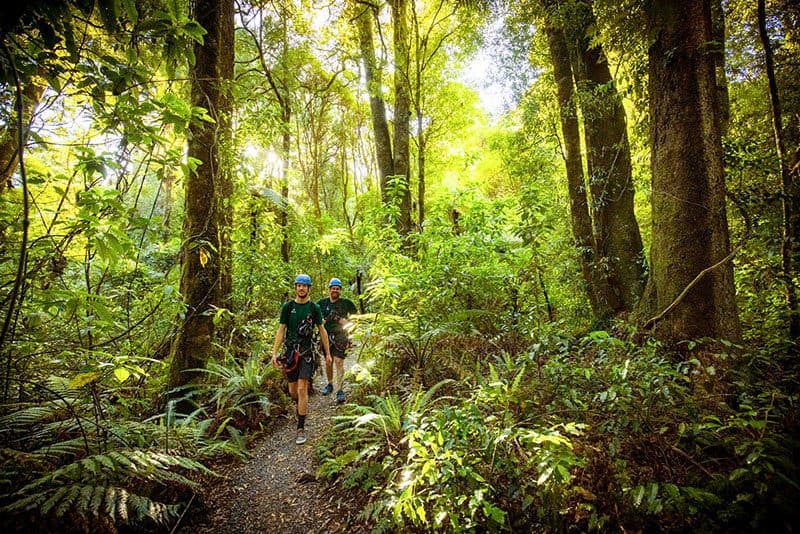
(279, 336)
(323, 336)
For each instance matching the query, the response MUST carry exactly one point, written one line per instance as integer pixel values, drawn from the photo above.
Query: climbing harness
(289, 359)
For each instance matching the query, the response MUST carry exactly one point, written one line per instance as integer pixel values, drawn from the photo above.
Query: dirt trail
(276, 489)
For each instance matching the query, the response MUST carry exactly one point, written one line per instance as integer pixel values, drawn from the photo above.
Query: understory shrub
(587, 434)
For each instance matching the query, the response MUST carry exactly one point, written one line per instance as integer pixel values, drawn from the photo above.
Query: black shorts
(338, 346)
(304, 369)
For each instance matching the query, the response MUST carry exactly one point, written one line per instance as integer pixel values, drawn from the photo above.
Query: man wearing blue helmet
(336, 310)
(297, 322)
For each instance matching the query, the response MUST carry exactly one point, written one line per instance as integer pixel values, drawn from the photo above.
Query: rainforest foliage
(571, 228)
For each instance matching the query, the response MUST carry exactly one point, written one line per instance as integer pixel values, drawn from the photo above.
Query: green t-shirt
(333, 311)
(293, 315)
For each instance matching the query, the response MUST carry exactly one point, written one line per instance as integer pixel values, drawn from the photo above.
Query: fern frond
(55, 498)
(140, 506)
(27, 502)
(518, 379)
(72, 495)
(93, 505)
(87, 501)
(34, 415)
(215, 449)
(69, 448)
(121, 465)
(122, 505)
(110, 499)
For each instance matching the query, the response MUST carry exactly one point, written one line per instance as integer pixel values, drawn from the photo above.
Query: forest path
(275, 490)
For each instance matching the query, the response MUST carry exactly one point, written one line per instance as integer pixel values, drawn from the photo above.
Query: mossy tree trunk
(790, 185)
(597, 287)
(690, 227)
(402, 115)
(619, 252)
(380, 126)
(204, 242)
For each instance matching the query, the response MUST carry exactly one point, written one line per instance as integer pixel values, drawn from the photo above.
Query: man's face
(335, 292)
(301, 290)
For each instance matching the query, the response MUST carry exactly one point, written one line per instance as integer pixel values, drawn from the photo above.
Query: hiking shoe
(340, 396)
(328, 389)
(301, 436)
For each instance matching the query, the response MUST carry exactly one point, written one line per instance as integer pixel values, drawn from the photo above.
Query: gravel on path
(276, 489)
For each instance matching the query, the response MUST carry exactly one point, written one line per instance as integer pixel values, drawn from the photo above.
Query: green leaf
(82, 379)
(121, 374)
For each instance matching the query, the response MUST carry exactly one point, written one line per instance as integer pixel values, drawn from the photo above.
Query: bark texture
(380, 126)
(618, 243)
(597, 287)
(690, 229)
(789, 183)
(402, 115)
(203, 262)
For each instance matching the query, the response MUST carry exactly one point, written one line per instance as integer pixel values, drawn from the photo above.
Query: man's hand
(275, 360)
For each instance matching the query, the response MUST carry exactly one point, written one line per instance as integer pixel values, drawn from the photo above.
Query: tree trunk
(690, 228)
(222, 117)
(9, 144)
(618, 243)
(421, 174)
(202, 260)
(597, 287)
(286, 147)
(165, 201)
(718, 36)
(789, 183)
(380, 126)
(402, 115)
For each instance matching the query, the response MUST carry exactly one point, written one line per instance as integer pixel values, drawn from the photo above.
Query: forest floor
(276, 490)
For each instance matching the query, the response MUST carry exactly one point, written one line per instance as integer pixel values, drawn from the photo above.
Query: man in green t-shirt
(295, 333)
(335, 311)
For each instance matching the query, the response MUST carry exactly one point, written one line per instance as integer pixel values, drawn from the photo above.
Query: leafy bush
(590, 433)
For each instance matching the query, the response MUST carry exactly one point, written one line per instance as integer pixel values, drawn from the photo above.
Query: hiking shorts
(304, 369)
(338, 349)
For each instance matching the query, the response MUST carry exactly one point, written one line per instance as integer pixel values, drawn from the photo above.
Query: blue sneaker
(340, 396)
(328, 389)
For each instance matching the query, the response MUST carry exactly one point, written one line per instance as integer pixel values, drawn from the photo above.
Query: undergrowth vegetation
(576, 433)
(75, 459)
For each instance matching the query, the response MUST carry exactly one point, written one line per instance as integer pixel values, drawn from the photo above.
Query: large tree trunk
(597, 287)
(690, 227)
(202, 275)
(789, 183)
(618, 243)
(380, 126)
(402, 115)
(223, 117)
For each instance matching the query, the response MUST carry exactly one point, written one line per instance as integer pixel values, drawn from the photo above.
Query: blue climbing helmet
(303, 279)
(335, 282)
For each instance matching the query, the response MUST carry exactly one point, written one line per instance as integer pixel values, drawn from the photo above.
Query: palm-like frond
(144, 465)
(89, 500)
